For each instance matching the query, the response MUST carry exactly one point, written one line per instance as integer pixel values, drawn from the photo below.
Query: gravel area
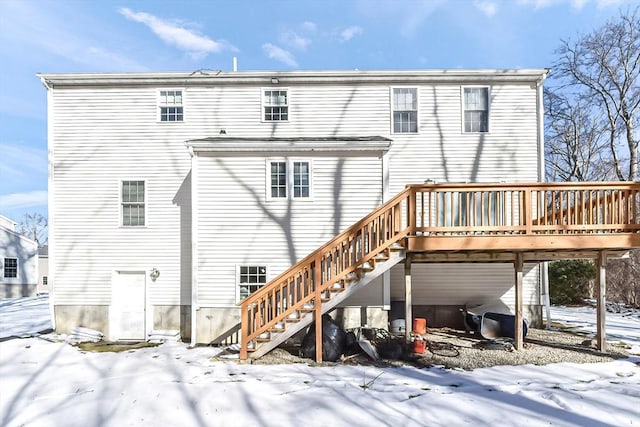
(455, 349)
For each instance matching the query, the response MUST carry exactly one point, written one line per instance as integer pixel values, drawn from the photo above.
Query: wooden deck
(517, 223)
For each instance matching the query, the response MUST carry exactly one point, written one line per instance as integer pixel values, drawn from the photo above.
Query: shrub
(569, 280)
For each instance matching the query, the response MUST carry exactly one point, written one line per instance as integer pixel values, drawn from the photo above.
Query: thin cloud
(295, 40)
(489, 8)
(350, 32)
(27, 199)
(309, 26)
(575, 4)
(274, 52)
(176, 35)
(26, 160)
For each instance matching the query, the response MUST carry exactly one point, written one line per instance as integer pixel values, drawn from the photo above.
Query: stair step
(381, 257)
(366, 267)
(278, 327)
(396, 247)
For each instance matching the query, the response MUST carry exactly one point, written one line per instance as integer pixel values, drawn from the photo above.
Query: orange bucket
(419, 326)
(419, 346)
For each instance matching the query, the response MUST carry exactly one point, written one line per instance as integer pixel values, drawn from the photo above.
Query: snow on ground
(45, 383)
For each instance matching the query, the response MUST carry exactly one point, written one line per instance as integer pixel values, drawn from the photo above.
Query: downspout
(50, 202)
(544, 266)
(194, 245)
(386, 276)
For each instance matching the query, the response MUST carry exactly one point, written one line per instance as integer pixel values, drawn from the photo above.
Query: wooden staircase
(326, 277)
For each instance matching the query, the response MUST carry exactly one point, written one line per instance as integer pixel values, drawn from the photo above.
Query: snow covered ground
(44, 383)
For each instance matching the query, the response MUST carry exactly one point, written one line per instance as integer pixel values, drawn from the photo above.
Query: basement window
(11, 268)
(250, 278)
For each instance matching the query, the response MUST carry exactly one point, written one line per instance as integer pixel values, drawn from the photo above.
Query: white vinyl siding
(236, 225)
(18, 260)
(274, 234)
(92, 158)
(465, 283)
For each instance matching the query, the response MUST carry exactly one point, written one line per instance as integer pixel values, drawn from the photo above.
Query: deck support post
(519, 266)
(317, 304)
(408, 303)
(601, 288)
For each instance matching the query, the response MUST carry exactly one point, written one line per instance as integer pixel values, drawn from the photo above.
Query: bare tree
(574, 148)
(603, 69)
(35, 227)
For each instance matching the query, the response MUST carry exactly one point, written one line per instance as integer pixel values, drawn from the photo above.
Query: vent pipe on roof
(235, 63)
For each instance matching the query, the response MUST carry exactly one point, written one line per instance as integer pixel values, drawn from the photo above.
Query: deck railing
(477, 210)
(527, 209)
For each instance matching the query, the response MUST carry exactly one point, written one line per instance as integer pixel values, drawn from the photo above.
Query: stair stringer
(291, 329)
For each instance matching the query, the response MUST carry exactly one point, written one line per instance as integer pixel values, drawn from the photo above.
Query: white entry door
(127, 312)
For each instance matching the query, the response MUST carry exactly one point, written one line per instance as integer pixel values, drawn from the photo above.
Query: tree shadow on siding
(182, 199)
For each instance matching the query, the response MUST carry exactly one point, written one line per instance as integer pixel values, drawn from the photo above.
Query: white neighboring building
(18, 262)
(173, 195)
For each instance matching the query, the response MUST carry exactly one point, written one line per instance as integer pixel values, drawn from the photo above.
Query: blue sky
(157, 35)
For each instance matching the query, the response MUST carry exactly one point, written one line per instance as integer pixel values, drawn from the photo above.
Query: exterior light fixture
(154, 274)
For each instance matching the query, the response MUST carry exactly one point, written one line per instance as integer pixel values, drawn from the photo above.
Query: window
(278, 179)
(132, 203)
(171, 109)
(476, 109)
(11, 268)
(289, 179)
(300, 179)
(276, 105)
(250, 279)
(405, 110)
(45, 280)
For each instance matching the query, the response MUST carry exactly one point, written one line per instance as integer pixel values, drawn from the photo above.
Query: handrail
(478, 209)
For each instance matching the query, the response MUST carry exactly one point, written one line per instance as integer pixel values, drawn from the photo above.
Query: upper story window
(250, 279)
(405, 110)
(476, 109)
(276, 105)
(289, 179)
(171, 108)
(11, 268)
(133, 203)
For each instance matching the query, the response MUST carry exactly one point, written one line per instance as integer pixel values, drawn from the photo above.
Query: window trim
(121, 202)
(392, 109)
(263, 105)
(159, 105)
(258, 265)
(4, 267)
(289, 168)
(462, 108)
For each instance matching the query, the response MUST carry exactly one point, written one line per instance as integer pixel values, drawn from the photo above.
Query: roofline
(20, 236)
(287, 145)
(217, 77)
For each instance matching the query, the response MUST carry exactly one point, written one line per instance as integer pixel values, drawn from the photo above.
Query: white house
(18, 262)
(175, 195)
